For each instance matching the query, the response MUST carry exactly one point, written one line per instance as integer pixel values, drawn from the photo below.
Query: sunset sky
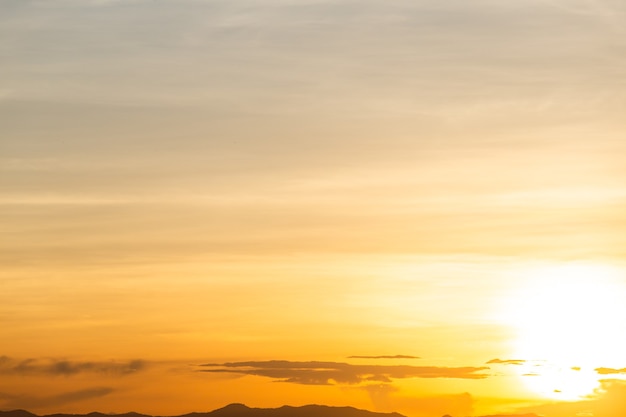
(398, 205)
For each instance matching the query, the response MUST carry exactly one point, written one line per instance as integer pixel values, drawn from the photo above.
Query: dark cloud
(66, 368)
(512, 415)
(329, 373)
(384, 357)
(6, 396)
(29, 402)
(507, 361)
(610, 371)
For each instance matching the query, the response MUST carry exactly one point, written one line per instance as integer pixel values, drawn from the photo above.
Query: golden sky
(413, 206)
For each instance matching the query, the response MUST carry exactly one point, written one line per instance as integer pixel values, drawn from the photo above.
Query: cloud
(331, 373)
(384, 357)
(4, 396)
(610, 371)
(608, 401)
(507, 361)
(512, 415)
(40, 366)
(28, 402)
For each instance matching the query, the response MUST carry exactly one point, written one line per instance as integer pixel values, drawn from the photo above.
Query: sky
(412, 206)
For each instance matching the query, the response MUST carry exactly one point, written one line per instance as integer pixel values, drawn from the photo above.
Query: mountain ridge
(242, 410)
(231, 410)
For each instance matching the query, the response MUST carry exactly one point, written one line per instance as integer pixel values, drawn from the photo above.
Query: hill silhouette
(236, 410)
(241, 410)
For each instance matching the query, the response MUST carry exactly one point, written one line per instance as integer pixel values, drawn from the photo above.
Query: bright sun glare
(569, 321)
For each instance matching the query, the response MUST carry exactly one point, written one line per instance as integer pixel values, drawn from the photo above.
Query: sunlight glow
(569, 321)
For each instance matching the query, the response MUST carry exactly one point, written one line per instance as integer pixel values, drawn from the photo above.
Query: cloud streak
(609, 401)
(332, 373)
(31, 402)
(384, 357)
(11, 366)
(610, 371)
(507, 361)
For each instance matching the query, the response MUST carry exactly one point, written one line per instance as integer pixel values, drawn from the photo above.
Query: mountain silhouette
(236, 410)
(241, 410)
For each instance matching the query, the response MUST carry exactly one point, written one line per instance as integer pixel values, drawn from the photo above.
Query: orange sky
(399, 206)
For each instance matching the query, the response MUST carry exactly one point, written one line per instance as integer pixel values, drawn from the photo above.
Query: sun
(570, 320)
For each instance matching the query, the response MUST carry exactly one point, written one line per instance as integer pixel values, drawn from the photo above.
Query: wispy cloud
(33, 402)
(610, 371)
(608, 401)
(507, 361)
(513, 415)
(39, 366)
(383, 357)
(331, 373)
